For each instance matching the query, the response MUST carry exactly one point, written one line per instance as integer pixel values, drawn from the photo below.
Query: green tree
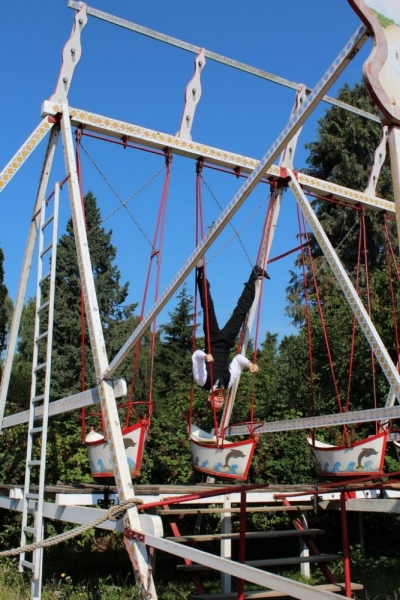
(5, 306)
(111, 295)
(168, 457)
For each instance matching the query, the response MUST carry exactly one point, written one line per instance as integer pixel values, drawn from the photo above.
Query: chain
(122, 202)
(337, 248)
(237, 231)
(232, 227)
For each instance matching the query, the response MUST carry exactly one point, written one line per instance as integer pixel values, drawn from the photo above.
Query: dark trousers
(219, 342)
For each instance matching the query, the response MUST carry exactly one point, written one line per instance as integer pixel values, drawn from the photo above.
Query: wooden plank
(253, 595)
(249, 535)
(294, 560)
(216, 510)
(272, 562)
(378, 505)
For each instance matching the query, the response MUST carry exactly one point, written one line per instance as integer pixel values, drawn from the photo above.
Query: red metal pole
(223, 491)
(345, 542)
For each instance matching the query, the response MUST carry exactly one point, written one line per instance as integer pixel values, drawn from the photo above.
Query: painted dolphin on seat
(233, 454)
(363, 454)
(128, 443)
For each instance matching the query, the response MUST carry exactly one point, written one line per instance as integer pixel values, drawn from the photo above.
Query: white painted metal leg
(144, 579)
(304, 567)
(394, 148)
(226, 545)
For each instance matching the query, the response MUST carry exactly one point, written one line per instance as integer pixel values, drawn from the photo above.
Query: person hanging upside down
(221, 341)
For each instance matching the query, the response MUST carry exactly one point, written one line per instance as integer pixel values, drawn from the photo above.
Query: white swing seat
(361, 458)
(199, 435)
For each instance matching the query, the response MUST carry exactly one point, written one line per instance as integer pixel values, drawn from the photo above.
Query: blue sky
(127, 76)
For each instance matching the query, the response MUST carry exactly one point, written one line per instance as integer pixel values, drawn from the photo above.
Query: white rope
(113, 514)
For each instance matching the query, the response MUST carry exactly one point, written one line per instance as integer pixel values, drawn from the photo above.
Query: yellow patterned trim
(222, 158)
(20, 157)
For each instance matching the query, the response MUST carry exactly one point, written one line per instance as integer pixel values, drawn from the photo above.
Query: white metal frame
(56, 110)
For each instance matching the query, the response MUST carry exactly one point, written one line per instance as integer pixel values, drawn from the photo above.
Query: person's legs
(232, 328)
(210, 323)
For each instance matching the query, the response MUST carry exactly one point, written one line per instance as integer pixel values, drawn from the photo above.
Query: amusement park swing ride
(117, 448)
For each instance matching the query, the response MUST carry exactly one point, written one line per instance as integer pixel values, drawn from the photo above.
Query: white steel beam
(26, 267)
(84, 514)
(230, 62)
(71, 55)
(222, 158)
(245, 190)
(264, 579)
(358, 416)
(74, 402)
(26, 150)
(394, 147)
(358, 308)
(144, 579)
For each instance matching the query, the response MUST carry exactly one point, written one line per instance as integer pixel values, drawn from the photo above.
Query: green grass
(82, 578)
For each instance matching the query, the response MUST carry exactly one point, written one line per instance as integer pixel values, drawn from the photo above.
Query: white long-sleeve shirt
(200, 371)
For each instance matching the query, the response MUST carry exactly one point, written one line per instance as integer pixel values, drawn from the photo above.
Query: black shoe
(258, 272)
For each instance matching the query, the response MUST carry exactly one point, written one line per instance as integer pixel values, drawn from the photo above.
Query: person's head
(216, 399)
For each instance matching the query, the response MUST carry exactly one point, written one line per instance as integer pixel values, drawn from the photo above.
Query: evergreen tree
(5, 306)
(67, 355)
(174, 350)
(168, 458)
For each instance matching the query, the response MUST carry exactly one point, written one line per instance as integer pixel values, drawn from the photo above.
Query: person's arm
(199, 359)
(237, 366)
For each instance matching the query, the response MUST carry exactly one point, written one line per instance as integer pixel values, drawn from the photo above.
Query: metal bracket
(287, 155)
(379, 159)
(192, 96)
(71, 55)
(106, 501)
(134, 535)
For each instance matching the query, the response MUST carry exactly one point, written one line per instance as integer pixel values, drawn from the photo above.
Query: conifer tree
(5, 306)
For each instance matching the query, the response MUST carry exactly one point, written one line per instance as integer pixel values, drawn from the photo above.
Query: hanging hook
(199, 165)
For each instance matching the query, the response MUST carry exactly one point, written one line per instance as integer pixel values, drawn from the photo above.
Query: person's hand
(253, 368)
(209, 358)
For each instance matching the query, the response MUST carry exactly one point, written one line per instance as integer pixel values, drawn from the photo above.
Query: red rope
(389, 252)
(308, 318)
(322, 319)
(368, 289)
(354, 320)
(158, 239)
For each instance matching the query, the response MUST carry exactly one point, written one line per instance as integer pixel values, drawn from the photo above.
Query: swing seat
(199, 435)
(230, 460)
(362, 458)
(101, 468)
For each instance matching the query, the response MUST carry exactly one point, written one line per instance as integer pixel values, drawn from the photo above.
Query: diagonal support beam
(25, 151)
(363, 318)
(26, 267)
